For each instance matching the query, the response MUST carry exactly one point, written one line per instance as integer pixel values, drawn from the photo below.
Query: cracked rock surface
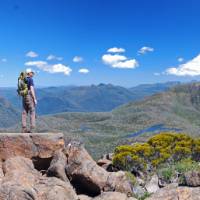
(41, 166)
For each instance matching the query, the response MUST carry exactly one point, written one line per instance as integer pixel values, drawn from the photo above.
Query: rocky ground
(47, 167)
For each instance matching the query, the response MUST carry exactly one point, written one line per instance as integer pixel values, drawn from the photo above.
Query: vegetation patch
(163, 148)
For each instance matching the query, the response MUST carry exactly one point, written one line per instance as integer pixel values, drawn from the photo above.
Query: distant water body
(155, 128)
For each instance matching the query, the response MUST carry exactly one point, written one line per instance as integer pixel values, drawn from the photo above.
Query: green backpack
(22, 85)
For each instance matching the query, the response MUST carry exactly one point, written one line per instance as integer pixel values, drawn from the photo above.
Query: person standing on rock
(29, 102)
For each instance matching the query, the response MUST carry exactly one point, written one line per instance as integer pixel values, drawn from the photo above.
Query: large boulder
(89, 178)
(57, 166)
(23, 182)
(41, 145)
(173, 192)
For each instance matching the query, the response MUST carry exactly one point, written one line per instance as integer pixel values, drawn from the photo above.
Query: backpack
(22, 85)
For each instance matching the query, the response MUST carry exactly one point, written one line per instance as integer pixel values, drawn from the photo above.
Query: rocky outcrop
(30, 145)
(23, 182)
(45, 167)
(93, 179)
(173, 192)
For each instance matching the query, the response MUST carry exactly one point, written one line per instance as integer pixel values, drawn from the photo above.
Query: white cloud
(128, 64)
(119, 61)
(60, 68)
(145, 50)
(77, 59)
(180, 59)
(56, 68)
(190, 68)
(116, 50)
(4, 60)
(156, 74)
(53, 57)
(32, 54)
(83, 71)
(38, 64)
(110, 59)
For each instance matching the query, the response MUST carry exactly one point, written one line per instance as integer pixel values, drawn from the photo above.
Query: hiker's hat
(29, 70)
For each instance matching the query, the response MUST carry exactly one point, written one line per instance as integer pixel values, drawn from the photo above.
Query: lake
(155, 128)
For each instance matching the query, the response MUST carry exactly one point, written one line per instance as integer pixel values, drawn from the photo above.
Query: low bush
(177, 170)
(161, 148)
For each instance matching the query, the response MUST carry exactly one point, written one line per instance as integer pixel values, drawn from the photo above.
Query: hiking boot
(32, 130)
(24, 130)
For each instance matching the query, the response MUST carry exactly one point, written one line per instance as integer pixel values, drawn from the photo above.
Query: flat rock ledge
(42, 145)
(43, 166)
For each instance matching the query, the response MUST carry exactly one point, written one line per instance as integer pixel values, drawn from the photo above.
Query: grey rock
(152, 185)
(173, 192)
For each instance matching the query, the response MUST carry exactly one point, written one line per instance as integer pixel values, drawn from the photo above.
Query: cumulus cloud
(77, 59)
(145, 50)
(31, 54)
(53, 57)
(180, 59)
(119, 61)
(44, 66)
(3, 60)
(190, 68)
(110, 59)
(83, 71)
(116, 50)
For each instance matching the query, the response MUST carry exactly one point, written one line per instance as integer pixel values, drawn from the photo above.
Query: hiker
(29, 101)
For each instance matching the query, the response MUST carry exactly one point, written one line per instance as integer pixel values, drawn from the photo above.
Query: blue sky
(83, 42)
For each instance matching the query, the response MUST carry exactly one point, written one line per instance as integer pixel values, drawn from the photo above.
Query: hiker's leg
(32, 115)
(24, 115)
(32, 118)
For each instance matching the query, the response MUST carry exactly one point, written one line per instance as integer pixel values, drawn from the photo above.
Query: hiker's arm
(33, 94)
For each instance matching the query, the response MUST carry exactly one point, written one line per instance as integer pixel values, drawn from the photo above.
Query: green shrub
(166, 173)
(177, 169)
(146, 195)
(186, 165)
(162, 148)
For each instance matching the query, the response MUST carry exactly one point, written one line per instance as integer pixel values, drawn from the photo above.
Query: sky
(83, 42)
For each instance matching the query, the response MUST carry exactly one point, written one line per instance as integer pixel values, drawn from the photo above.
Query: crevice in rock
(42, 164)
(84, 186)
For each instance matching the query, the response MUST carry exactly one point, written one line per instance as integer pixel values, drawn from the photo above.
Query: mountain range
(176, 109)
(8, 114)
(94, 98)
